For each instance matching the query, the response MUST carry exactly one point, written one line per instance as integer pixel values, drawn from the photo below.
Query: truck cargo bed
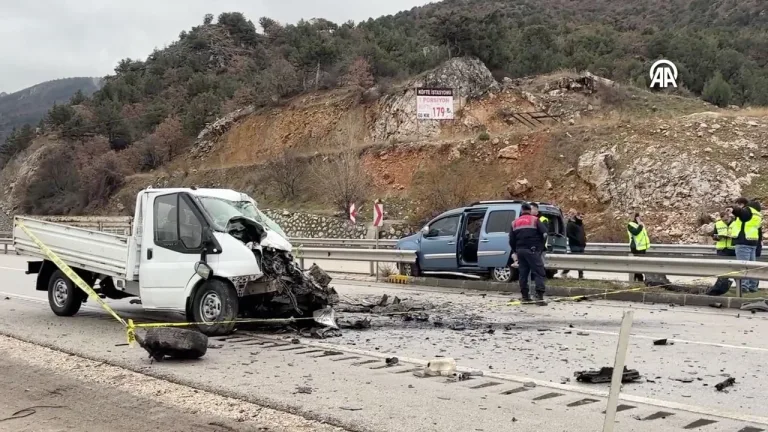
(99, 252)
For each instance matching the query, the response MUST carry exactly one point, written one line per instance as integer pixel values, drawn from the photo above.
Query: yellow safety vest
(544, 219)
(724, 239)
(750, 228)
(642, 241)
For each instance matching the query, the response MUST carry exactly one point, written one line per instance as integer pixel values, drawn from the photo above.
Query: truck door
(494, 238)
(439, 244)
(172, 244)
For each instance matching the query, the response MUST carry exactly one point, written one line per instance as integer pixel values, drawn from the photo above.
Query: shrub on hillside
(717, 91)
(286, 173)
(341, 180)
(102, 178)
(56, 189)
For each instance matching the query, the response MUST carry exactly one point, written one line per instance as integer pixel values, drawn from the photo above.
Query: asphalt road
(344, 381)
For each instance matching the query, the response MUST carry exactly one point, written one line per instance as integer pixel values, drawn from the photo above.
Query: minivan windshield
(221, 211)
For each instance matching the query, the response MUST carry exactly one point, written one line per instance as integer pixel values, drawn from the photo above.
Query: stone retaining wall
(306, 225)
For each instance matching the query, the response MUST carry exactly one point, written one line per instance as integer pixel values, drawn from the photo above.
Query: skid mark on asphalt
(482, 385)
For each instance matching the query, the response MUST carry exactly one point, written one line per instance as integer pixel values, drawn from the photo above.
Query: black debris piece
(418, 316)
(605, 374)
(295, 341)
(392, 361)
(725, 384)
(304, 390)
(172, 342)
(660, 342)
(384, 300)
(457, 326)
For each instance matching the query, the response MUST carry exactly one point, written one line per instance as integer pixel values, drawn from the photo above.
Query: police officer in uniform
(528, 239)
(639, 242)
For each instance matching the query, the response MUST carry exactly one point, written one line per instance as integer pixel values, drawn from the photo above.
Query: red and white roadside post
(378, 222)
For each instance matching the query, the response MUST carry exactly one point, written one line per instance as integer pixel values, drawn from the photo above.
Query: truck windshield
(221, 211)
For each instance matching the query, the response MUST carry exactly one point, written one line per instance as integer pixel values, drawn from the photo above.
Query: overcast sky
(41, 40)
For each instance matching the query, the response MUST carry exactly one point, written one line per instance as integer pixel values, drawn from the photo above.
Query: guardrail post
(5, 248)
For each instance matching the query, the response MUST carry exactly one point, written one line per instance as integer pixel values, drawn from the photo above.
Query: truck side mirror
(203, 270)
(425, 230)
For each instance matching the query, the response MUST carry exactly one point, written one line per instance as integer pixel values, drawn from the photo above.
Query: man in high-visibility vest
(723, 237)
(746, 228)
(639, 242)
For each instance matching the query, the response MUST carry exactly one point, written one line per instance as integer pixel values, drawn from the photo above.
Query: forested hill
(30, 105)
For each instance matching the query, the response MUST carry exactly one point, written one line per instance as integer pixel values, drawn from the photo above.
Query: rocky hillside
(606, 149)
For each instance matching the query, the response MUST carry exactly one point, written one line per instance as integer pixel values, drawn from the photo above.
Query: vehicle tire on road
(216, 300)
(410, 269)
(64, 297)
(177, 343)
(502, 274)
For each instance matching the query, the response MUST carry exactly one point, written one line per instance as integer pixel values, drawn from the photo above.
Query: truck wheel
(64, 297)
(215, 301)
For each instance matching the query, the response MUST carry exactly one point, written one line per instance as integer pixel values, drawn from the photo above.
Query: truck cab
(474, 240)
(209, 254)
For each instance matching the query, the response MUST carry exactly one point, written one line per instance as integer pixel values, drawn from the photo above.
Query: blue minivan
(474, 241)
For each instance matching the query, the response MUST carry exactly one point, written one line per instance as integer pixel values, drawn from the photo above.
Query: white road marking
(11, 268)
(715, 344)
(705, 411)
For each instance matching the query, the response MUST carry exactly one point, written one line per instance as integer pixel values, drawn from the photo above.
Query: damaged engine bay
(285, 290)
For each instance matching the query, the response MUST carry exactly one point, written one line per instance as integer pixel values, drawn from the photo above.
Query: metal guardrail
(592, 248)
(348, 254)
(666, 266)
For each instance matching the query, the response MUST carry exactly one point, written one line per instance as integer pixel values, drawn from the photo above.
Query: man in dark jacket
(528, 240)
(747, 231)
(577, 239)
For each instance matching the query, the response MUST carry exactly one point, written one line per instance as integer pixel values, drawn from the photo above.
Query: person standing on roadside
(527, 240)
(577, 239)
(723, 237)
(746, 236)
(639, 242)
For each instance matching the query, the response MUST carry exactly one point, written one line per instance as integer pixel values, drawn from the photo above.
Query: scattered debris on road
(725, 384)
(605, 374)
(761, 306)
(392, 361)
(177, 343)
(662, 342)
(685, 380)
(716, 305)
(438, 367)
(355, 324)
(303, 390)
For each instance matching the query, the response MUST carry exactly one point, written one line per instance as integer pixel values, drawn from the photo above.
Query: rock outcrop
(397, 112)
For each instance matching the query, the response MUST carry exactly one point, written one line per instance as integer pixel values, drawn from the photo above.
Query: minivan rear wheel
(502, 274)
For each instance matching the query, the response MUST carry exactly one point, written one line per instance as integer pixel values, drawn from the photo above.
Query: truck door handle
(484, 241)
(149, 254)
(451, 242)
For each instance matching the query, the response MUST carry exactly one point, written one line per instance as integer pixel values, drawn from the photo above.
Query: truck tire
(64, 297)
(214, 301)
